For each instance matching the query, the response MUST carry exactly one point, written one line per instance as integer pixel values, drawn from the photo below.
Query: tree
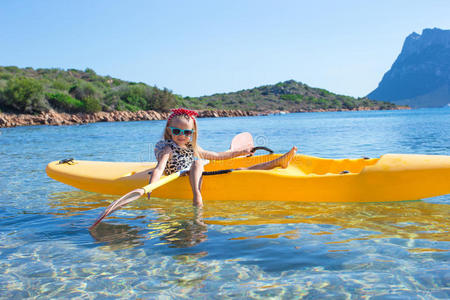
(91, 105)
(24, 94)
(84, 90)
(161, 100)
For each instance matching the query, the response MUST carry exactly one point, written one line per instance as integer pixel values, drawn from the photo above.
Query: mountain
(289, 95)
(420, 76)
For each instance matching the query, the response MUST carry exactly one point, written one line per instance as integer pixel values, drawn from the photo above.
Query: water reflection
(177, 224)
(180, 231)
(407, 220)
(117, 236)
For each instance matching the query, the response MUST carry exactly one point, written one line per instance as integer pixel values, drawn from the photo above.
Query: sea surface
(162, 249)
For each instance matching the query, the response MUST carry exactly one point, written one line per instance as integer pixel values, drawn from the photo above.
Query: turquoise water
(166, 249)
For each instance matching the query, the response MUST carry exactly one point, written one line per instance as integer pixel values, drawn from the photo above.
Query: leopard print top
(182, 158)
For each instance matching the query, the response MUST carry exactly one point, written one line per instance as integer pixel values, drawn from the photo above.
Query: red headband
(182, 111)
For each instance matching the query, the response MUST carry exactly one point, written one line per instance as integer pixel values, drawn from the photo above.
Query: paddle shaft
(162, 181)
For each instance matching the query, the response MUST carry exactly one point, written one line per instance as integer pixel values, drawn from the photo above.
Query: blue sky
(204, 47)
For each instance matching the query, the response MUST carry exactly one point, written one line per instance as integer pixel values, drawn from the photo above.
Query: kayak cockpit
(322, 166)
(301, 165)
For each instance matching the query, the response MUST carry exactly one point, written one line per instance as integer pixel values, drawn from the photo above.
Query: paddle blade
(122, 201)
(135, 194)
(242, 141)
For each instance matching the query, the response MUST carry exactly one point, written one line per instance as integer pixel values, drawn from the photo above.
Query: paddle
(136, 194)
(241, 141)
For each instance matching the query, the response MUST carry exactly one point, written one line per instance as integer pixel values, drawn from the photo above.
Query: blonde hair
(168, 136)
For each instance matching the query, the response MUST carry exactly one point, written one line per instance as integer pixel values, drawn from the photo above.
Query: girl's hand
(246, 152)
(156, 173)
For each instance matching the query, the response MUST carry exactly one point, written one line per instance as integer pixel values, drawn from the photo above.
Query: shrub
(137, 95)
(348, 103)
(64, 102)
(59, 84)
(127, 97)
(5, 76)
(24, 94)
(122, 105)
(116, 82)
(212, 104)
(161, 100)
(12, 69)
(84, 90)
(91, 105)
(336, 103)
(90, 71)
(324, 103)
(295, 98)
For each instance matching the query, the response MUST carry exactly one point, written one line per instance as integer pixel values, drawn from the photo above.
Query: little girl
(179, 151)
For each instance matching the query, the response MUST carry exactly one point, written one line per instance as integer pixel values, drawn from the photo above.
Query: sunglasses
(178, 131)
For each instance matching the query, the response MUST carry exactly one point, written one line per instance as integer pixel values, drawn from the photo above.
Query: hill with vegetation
(33, 91)
(30, 91)
(290, 96)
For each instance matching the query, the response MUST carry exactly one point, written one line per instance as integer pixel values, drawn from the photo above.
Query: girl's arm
(159, 169)
(211, 155)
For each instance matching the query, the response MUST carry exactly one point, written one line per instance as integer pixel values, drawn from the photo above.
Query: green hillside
(26, 90)
(289, 95)
(31, 91)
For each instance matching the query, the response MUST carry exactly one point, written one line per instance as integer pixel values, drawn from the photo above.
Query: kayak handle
(68, 161)
(260, 148)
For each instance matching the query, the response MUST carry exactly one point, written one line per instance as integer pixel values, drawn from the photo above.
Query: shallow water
(167, 249)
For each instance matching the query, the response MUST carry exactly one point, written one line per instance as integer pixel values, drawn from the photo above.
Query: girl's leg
(150, 172)
(195, 178)
(282, 161)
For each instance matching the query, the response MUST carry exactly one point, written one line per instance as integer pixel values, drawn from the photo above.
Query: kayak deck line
(392, 177)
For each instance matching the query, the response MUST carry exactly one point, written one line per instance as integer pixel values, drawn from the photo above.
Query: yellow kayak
(392, 177)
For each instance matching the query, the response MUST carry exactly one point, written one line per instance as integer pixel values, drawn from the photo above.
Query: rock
(420, 76)
(54, 118)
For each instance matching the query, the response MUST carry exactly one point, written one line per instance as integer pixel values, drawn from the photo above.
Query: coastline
(54, 118)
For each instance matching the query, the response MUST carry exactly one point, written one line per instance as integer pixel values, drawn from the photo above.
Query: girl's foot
(284, 160)
(198, 200)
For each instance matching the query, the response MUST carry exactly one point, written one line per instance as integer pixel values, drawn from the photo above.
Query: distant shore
(56, 119)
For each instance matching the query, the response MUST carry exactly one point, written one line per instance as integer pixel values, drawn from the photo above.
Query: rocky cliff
(420, 77)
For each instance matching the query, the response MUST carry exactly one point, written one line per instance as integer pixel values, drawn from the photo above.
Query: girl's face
(184, 124)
